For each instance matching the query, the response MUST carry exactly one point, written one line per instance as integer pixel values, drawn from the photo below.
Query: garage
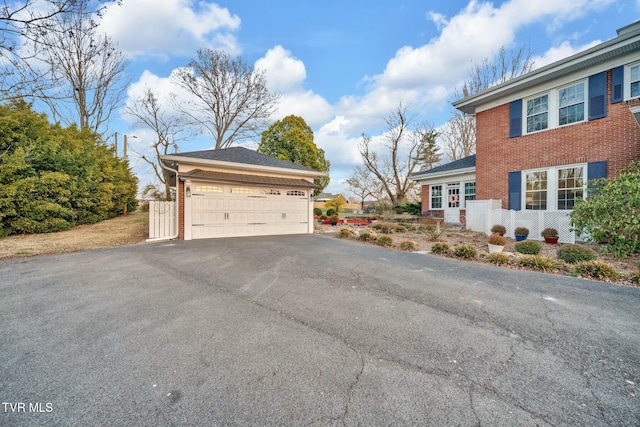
(237, 192)
(231, 211)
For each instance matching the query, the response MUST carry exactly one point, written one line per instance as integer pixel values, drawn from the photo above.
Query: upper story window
(634, 81)
(571, 104)
(537, 113)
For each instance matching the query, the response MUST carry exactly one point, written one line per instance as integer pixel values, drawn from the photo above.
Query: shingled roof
(241, 155)
(464, 163)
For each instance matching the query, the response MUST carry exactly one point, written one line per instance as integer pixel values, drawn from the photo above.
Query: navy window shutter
(515, 190)
(515, 118)
(597, 96)
(617, 84)
(596, 170)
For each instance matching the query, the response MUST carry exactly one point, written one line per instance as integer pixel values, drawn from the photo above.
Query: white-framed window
(555, 188)
(536, 191)
(562, 106)
(570, 187)
(436, 197)
(537, 113)
(469, 191)
(453, 196)
(241, 190)
(208, 189)
(571, 104)
(272, 192)
(632, 83)
(296, 193)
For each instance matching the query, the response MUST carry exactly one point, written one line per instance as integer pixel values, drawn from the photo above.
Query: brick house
(541, 136)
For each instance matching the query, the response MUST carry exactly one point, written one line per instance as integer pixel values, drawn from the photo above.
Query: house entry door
(452, 205)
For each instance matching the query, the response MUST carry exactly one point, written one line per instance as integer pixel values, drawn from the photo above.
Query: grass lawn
(118, 231)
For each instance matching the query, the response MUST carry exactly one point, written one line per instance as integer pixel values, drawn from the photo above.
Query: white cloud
(170, 27)
(286, 75)
(557, 53)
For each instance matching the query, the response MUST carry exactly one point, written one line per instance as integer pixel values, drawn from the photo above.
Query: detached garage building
(235, 192)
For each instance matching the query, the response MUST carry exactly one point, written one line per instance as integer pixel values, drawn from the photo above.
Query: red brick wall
(181, 210)
(615, 138)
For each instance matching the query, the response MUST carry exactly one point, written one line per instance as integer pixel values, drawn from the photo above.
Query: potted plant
(521, 233)
(496, 243)
(498, 229)
(334, 219)
(550, 235)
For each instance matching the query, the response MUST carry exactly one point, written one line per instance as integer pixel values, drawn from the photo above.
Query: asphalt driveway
(309, 330)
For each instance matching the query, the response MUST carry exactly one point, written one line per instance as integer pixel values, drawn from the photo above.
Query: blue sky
(344, 65)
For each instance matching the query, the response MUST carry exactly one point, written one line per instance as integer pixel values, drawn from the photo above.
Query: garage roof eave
(244, 179)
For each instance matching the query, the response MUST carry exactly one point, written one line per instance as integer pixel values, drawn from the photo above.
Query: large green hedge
(611, 213)
(52, 178)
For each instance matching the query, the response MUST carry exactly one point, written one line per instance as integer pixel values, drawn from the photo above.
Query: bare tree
(399, 157)
(363, 184)
(89, 69)
(233, 101)
(459, 136)
(23, 27)
(459, 133)
(148, 112)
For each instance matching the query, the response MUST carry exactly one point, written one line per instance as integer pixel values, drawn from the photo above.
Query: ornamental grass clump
(366, 237)
(441, 248)
(465, 252)
(408, 245)
(576, 253)
(498, 258)
(345, 233)
(384, 241)
(538, 262)
(529, 247)
(596, 270)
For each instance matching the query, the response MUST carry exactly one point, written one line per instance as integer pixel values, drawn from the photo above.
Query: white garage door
(233, 210)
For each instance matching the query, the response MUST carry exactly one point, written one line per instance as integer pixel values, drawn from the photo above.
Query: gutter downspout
(175, 236)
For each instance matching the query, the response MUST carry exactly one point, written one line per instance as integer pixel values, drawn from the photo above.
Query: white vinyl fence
(483, 214)
(162, 219)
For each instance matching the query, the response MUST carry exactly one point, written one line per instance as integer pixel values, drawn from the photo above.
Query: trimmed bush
(596, 270)
(497, 228)
(440, 248)
(465, 252)
(408, 245)
(345, 233)
(331, 212)
(538, 262)
(498, 258)
(399, 229)
(384, 241)
(576, 253)
(529, 247)
(497, 239)
(549, 232)
(522, 231)
(317, 211)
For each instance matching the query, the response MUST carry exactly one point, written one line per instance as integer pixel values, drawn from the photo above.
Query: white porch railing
(483, 214)
(162, 219)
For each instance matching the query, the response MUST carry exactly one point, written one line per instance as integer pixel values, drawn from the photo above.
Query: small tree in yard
(335, 203)
(611, 213)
